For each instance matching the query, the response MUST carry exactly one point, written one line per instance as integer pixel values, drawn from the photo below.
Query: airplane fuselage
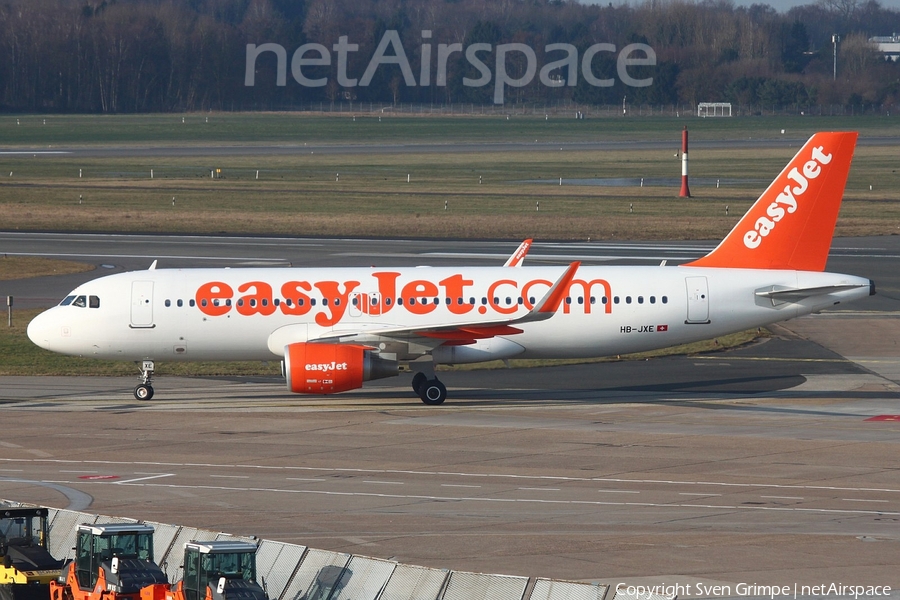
(251, 314)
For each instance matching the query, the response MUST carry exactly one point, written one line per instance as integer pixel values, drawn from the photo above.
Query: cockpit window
(67, 301)
(94, 301)
(80, 301)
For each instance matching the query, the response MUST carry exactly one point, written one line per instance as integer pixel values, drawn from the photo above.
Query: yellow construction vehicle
(219, 570)
(26, 566)
(112, 562)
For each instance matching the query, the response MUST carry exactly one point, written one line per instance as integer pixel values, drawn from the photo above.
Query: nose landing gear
(144, 391)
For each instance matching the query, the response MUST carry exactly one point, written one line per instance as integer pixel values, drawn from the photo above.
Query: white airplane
(336, 328)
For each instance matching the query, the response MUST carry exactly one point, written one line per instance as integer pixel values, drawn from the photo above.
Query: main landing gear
(144, 391)
(430, 390)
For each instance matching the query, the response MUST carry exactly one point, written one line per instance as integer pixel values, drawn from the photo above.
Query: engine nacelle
(332, 368)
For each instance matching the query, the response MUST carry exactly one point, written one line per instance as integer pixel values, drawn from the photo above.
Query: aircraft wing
(518, 257)
(435, 335)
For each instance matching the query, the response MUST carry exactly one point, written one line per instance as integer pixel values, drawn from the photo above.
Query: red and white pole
(685, 190)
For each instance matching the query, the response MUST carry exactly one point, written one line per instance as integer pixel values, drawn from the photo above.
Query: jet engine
(332, 368)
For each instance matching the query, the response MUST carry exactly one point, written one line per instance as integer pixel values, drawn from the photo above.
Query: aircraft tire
(433, 392)
(143, 392)
(418, 381)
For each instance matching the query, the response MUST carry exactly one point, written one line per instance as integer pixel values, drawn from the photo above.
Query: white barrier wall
(294, 572)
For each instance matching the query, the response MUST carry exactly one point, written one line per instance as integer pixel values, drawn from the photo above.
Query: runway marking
(784, 497)
(696, 494)
(507, 500)
(459, 485)
(540, 489)
(385, 482)
(861, 500)
(618, 491)
(231, 476)
(157, 476)
(12, 470)
(303, 479)
(773, 486)
(78, 471)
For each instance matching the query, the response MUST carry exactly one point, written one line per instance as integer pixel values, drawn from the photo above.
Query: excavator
(26, 565)
(112, 562)
(216, 570)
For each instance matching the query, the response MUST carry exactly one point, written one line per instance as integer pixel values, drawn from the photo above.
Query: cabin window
(437, 301)
(204, 302)
(568, 300)
(593, 300)
(615, 299)
(168, 303)
(640, 299)
(472, 301)
(652, 299)
(337, 301)
(94, 301)
(276, 301)
(520, 300)
(665, 299)
(412, 301)
(180, 303)
(483, 301)
(387, 301)
(192, 303)
(604, 300)
(531, 300)
(580, 300)
(627, 299)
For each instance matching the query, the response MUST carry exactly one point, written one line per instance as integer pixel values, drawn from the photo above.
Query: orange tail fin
(792, 223)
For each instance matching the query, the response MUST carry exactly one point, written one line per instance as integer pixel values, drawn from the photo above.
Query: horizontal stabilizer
(779, 295)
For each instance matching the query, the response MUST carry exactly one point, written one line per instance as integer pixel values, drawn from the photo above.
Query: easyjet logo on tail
(787, 201)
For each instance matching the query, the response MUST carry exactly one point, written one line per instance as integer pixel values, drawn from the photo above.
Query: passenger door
(142, 304)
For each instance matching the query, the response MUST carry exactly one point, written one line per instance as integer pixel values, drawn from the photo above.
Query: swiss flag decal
(662, 327)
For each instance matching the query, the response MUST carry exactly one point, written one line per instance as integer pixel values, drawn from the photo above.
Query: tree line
(115, 56)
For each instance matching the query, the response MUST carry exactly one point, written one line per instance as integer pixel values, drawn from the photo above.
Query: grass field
(368, 194)
(298, 128)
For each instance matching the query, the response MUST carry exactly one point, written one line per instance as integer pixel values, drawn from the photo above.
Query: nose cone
(43, 329)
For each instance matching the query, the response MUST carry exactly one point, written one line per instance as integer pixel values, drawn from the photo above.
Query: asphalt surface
(760, 464)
